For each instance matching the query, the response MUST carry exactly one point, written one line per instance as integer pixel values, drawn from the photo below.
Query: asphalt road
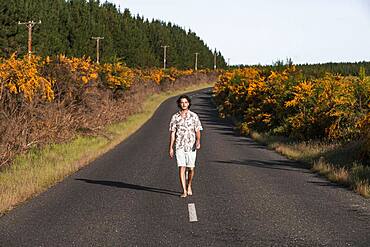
(244, 195)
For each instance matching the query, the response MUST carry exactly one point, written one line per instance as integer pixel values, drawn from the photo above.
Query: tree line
(343, 68)
(68, 25)
(314, 71)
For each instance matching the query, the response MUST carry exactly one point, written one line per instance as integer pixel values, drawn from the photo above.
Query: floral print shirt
(185, 130)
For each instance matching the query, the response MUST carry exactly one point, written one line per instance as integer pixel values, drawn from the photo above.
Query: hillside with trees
(67, 28)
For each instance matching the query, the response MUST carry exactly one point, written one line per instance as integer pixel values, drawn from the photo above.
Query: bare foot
(190, 192)
(183, 195)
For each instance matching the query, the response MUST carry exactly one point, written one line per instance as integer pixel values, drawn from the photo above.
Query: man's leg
(191, 172)
(182, 170)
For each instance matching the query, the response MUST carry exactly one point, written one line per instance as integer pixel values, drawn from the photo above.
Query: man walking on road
(185, 128)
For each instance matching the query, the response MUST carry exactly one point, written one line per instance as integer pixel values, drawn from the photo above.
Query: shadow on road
(328, 184)
(209, 115)
(129, 186)
(274, 164)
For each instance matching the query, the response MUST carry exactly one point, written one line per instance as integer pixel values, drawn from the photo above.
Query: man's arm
(172, 141)
(198, 128)
(197, 144)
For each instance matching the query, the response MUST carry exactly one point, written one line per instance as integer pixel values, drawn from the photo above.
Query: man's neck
(184, 112)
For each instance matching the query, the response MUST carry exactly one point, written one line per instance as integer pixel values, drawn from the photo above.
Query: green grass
(39, 169)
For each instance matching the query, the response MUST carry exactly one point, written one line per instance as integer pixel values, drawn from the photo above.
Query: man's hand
(171, 152)
(197, 145)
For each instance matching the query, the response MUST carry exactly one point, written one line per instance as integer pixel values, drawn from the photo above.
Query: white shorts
(186, 158)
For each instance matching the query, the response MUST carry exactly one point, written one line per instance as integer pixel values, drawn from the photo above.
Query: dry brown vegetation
(83, 101)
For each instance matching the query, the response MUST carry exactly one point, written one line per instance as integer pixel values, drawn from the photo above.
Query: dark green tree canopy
(68, 25)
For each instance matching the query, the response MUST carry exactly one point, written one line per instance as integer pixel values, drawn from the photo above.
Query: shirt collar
(187, 113)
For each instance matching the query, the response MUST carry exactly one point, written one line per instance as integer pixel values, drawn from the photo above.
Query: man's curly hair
(183, 97)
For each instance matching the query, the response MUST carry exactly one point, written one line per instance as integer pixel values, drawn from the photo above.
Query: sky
(265, 31)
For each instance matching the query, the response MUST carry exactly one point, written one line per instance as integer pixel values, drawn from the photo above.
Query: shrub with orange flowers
(155, 75)
(21, 79)
(331, 107)
(117, 76)
(82, 69)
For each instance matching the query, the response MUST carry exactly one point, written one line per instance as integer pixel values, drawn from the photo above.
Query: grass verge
(335, 161)
(39, 169)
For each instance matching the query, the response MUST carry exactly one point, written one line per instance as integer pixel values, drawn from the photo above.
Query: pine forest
(67, 27)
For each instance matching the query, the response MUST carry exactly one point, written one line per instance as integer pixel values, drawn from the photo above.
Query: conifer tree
(68, 25)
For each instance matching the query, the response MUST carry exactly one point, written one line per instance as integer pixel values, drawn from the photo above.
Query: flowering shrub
(21, 77)
(155, 75)
(83, 69)
(117, 76)
(332, 107)
(159, 75)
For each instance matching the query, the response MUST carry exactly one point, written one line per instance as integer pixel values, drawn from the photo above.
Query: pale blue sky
(263, 31)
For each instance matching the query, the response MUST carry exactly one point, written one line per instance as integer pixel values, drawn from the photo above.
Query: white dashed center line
(192, 212)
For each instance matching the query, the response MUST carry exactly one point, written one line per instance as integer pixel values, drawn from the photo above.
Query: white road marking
(192, 212)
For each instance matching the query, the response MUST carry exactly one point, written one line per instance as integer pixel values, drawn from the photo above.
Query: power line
(97, 47)
(30, 25)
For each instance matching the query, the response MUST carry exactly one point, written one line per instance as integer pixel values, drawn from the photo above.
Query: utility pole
(228, 62)
(196, 61)
(164, 55)
(97, 47)
(214, 61)
(29, 25)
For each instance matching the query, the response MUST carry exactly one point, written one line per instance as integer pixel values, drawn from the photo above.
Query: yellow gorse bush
(83, 69)
(155, 75)
(21, 76)
(118, 76)
(68, 77)
(332, 107)
(301, 93)
(160, 75)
